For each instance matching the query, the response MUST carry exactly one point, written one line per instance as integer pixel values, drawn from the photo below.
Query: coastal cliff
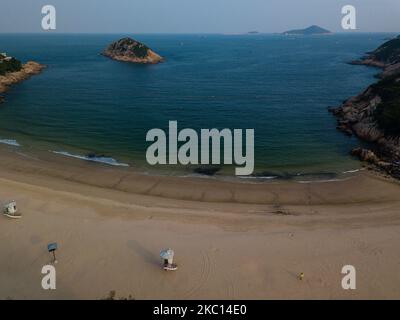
(129, 50)
(387, 57)
(374, 115)
(21, 73)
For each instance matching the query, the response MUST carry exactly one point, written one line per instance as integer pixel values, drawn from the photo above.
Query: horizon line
(190, 33)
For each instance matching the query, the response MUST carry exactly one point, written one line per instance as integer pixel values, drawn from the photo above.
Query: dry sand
(232, 240)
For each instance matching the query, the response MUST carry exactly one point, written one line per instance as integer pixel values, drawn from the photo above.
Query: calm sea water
(280, 86)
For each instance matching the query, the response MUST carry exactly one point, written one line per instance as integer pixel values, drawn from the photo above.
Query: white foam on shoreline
(322, 181)
(10, 142)
(353, 171)
(258, 177)
(103, 160)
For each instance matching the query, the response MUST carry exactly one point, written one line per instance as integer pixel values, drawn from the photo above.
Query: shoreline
(100, 162)
(307, 173)
(110, 224)
(233, 238)
(193, 188)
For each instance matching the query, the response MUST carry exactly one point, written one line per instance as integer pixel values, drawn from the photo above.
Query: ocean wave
(353, 171)
(259, 177)
(322, 181)
(99, 159)
(10, 142)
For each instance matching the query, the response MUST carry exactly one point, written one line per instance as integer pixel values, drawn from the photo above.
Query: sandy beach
(232, 240)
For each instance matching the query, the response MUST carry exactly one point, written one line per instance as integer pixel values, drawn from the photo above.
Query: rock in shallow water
(365, 155)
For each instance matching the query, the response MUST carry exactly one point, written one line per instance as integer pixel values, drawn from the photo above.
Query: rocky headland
(18, 74)
(374, 115)
(386, 57)
(129, 50)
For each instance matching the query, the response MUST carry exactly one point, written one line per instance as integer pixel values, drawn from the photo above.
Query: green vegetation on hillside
(387, 114)
(389, 52)
(140, 50)
(11, 65)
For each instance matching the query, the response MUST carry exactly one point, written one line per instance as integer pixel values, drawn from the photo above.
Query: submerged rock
(93, 155)
(207, 170)
(130, 50)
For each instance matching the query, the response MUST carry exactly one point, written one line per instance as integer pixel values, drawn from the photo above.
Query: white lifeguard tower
(11, 211)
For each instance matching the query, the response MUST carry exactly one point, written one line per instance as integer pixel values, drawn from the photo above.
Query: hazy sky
(197, 16)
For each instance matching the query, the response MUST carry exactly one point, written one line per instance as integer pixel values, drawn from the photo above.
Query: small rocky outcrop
(129, 50)
(365, 155)
(383, 164)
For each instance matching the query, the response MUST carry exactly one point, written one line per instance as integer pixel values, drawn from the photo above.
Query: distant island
(130, 50)
(374, 115)
(308, 31)
(12, 71)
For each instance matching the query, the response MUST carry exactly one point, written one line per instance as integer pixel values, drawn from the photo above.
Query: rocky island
(129, 50)
(12, 71)
(374, 115)
(313, 30)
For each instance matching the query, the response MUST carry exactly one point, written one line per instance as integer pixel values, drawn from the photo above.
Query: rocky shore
(374, 115)
(29, 69)
(386, 57)
(129, 50)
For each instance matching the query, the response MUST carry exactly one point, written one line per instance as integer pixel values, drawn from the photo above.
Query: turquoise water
(280, 86)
